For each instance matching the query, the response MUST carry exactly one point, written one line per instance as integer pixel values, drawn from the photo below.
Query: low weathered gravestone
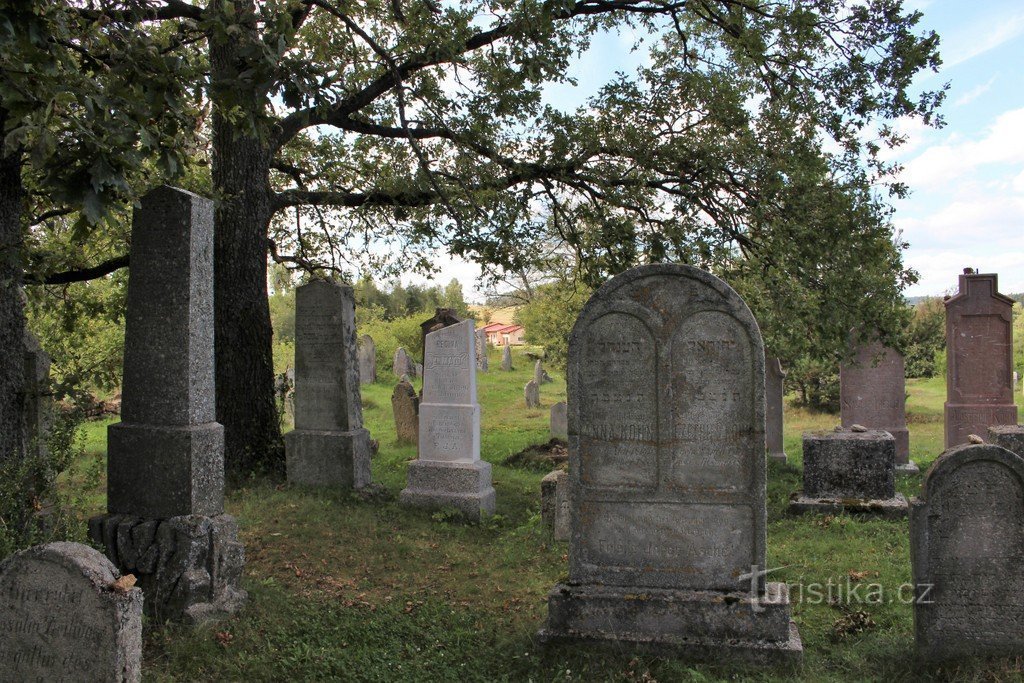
(506, 359)
(667, 472)
(449, 472)
(402, 364)
(481, 350)
(554, 503)
(873, 393)
(405, 404)
(329, 446)
(773, 397)
(852, 471)
(979, 358)
(63, 617)
(531, 394)
(165, 466)
(367, 360)
(967, 554)
(1010, 437)
(560, 420)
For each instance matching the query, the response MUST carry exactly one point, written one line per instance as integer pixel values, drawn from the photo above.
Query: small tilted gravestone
(667, 475)
(65, 616)
(560, 421)
(873, 393)
(367, 360)
(506, 359)
(329, 446)
(774, 392)
(449, 472)
(531, 394)
(402, 364)
(967, 554)
(405, 405)
(481, 350)
(850, 470)
(554, 503)
(979, 358)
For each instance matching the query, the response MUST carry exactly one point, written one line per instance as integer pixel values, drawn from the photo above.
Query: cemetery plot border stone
(967, 554)
(66, 615)
(329, 446)
(773, 396)
(667, 474)
(1010, 437)
(850, 471)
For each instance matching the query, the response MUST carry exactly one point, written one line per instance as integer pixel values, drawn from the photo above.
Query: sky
(966, 206)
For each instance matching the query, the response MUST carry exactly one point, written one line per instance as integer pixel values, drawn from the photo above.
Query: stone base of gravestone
(322, 458)
(696, 625)
(189, 568)
(778, 457)
(554, 503)
(909, 467)
(850, 471)
(1010, 437)
(463, 486)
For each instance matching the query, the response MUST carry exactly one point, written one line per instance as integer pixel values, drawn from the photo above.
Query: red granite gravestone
(979, 347)
(872, 392)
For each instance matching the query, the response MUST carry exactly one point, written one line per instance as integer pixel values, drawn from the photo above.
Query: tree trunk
(12, 308)
(243, 338)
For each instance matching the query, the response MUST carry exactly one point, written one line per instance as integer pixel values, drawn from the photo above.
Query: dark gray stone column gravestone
(329, 446)
(63, 618)
(405, 405)
(481, 350)
(449, 472)
(667, 473)
(38, 413)
(967, 554)
(560, 421)
(506, 359)
(851, 471)
(367, 360)
(873, 393)
(165, 465)
(774, 392)
(979, 359)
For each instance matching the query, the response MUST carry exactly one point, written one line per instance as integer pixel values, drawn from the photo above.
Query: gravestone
(402, 364)
(667, 474)
(449, 472)
(979, 349)
(329, 446)
(481, 350)
(367, 360)
(538, 372)
(967, 554)
(873, 393)
(1016, 380)
(38, 397)
(1010, 437)
(531, 393)
(773, 412)
(165, 465)
(560, 421)
(405, 405)
(63, 618)
(554, 503)
(852, 471)
(443, 317)
(506, 359)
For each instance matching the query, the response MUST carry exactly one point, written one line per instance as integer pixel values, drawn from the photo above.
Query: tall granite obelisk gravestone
(449, 471)
(329, 446)
(873, 393)
(979, 358)
(165, 463)
(667, 473)
(774, 393)
(967, 554)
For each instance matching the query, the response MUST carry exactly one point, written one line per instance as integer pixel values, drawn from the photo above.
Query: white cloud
(982, 36)
(975, 92)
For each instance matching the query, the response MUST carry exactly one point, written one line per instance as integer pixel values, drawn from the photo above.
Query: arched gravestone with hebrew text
(667, 472)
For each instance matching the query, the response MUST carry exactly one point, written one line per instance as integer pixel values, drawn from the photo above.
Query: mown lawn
(346, 589)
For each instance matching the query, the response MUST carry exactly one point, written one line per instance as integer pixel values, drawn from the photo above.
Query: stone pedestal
(463, 486)
(326, 458)
(852, 472)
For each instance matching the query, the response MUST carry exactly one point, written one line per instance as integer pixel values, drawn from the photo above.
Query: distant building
(500, 334)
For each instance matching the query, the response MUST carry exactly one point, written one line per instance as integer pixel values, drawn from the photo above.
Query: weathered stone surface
(506, 359)
(967, 554)
(872, 392)
(402, 364)
(540, 375)
(1010, 437)
(773, 411)
(189, 568)
(443, 317)
(166, 456)
(852, 471)
(329, 446)
(667, 473)
(449, 471)
(62, 620)
(979, 348)
(560, 420)
(481, 350)
(405, 404)
(38, 397)
(531, 394)
(554, 503)
(367, 360)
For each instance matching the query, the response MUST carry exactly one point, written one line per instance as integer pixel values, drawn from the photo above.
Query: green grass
(349, 590)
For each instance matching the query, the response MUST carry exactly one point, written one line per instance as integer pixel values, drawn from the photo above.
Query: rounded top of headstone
(89, 562)
(851, 434)
(323, 284)
(955, 458)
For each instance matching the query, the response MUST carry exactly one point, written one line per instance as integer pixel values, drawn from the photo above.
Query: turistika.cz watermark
(844, 591)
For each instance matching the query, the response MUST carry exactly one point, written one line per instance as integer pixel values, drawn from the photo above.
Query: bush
(388, 335)
(816, 384)
(548, 318)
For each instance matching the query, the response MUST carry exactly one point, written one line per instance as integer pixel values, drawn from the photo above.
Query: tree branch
(80, 275)
(171, 9)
